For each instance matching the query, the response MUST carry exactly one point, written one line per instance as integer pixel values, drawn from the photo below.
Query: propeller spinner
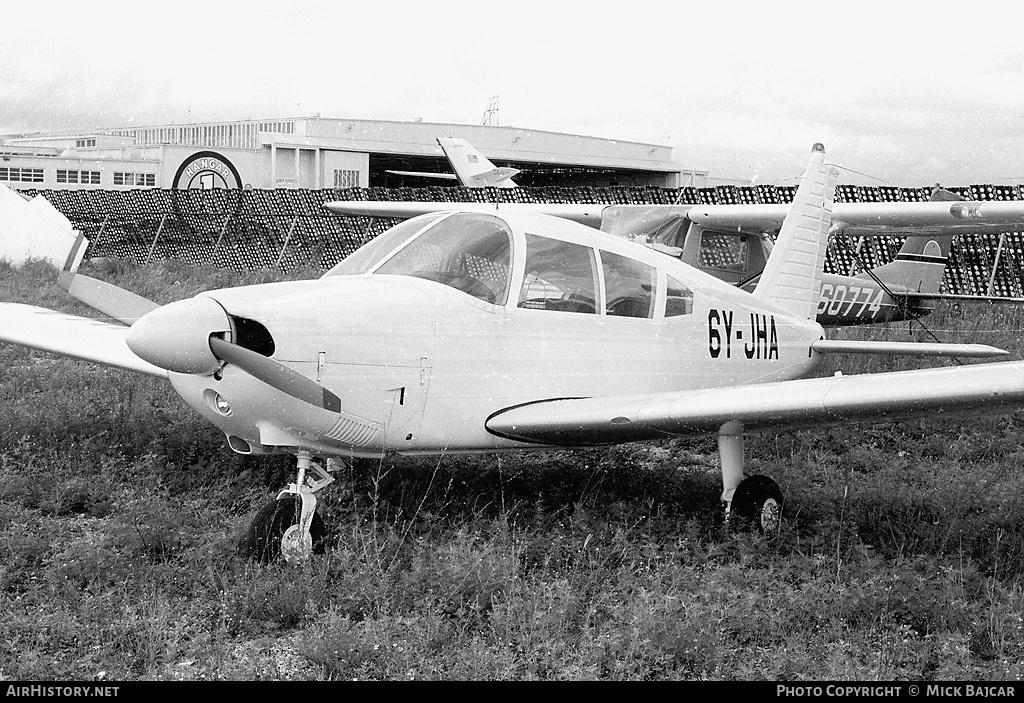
(192, 337)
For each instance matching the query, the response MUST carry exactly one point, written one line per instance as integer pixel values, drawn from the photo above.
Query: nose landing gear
(289, 525)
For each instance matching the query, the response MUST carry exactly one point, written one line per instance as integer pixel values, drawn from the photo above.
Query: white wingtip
(33, 229)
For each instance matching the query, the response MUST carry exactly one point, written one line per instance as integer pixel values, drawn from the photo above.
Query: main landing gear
(752, 500)
(289, 526)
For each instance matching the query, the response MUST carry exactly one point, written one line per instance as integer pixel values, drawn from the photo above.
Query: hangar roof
(390, 137)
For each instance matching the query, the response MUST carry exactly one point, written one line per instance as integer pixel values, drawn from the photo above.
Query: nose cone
(176, 337)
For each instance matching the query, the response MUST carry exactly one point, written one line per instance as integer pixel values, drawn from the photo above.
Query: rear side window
(678, 299)
(628, 286)
(559, 276)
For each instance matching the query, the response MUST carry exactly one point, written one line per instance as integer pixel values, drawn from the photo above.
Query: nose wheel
(289, 526)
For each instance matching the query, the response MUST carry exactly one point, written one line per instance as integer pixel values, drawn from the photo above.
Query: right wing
(69, 335)
(898, 395)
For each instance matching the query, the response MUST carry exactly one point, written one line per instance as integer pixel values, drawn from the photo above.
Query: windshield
(467, 251)
(370, 254)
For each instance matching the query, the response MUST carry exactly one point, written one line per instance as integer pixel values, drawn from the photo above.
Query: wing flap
(69, 335)
(775, 406)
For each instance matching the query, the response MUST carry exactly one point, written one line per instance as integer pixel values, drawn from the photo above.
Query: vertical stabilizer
(792, 278)
(473, 168)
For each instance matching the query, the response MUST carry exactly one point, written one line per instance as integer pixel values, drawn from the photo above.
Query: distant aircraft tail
(921, 261)
(791, 279)
(919, 265)
(472, 168)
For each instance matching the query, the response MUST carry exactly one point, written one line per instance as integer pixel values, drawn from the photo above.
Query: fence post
(287, 238)
(220, 238)
(99, 234)
(153, 245)
(995, 265)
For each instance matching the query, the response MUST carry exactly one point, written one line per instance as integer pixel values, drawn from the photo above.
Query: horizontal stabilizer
(842, 346)
(425, 174)
(69, 335)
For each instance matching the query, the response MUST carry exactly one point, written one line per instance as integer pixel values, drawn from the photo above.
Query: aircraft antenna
(490, 118)
(866, 175)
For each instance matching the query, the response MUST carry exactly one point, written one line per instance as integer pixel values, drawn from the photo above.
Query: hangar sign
(206, 170)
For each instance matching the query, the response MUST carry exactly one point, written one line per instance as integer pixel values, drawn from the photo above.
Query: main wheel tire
(262, 541)
(758, 501)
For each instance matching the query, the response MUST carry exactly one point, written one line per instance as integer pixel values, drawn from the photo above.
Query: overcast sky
(900, 93)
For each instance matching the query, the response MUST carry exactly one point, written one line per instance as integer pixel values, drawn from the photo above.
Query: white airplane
(476, 332)
(472, 169)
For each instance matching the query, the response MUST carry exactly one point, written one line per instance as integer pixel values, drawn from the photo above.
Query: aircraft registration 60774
(466, 331)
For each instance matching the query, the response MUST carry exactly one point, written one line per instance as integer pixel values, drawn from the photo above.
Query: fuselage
(421, 357)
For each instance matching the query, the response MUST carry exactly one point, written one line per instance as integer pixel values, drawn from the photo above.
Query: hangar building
(315, 152)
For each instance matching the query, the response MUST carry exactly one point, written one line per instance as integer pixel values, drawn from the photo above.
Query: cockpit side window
(559, 276)
(469, 252)
(629, 286)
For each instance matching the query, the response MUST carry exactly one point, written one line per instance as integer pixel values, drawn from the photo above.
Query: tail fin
(792, 278)
(921, 261)
(472, 168)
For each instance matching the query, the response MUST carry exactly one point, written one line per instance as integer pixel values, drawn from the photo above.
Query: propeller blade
(275, 375)
(111, 300)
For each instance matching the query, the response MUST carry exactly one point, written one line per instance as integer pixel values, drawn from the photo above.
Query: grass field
(901, 556)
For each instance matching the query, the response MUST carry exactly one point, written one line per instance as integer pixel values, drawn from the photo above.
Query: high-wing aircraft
(479, 332)
(472, 169)
(905, 288)
(732, 242)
